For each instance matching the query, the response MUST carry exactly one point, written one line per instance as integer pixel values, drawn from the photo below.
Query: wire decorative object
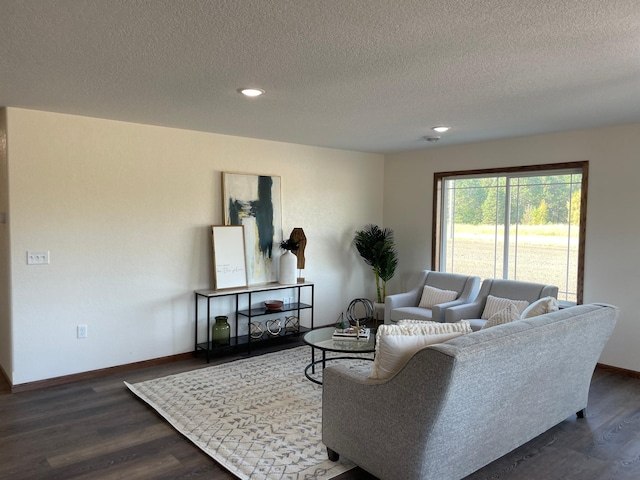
(255, 330)
(368, 311)
(274, 327)
(292, 323)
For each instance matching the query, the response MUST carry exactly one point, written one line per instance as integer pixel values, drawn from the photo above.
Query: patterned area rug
(258, 417)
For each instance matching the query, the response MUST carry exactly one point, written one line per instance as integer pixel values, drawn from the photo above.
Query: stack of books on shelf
(352, 333)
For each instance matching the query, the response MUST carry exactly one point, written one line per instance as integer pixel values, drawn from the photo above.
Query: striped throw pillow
(495, 304)
(433, 296)
(506, 315)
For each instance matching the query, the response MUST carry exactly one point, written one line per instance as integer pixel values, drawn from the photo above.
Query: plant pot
(378, 312)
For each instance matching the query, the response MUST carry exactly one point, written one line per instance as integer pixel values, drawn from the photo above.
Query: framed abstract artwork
(254, 201)
(229, 261)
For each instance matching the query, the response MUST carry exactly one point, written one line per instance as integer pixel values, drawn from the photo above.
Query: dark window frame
(438, 179)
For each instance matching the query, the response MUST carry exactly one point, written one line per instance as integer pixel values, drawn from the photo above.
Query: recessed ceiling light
(440, 129)
(251, 92)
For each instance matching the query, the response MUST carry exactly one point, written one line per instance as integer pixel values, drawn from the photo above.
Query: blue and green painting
(261, 209)
(254, 201)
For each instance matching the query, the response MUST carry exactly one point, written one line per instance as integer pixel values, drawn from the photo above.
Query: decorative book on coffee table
(352, 333)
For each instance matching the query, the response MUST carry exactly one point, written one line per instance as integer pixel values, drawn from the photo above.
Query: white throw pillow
(495, 304)
(396, 344)
(506, 315)
(433, 296)
(540, 307)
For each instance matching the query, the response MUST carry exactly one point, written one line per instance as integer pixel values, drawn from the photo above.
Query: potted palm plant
(377, 247)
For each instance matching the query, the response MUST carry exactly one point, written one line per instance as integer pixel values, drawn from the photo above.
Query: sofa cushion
(495, 304)
(540, 307)
(396, 344)
(416, 313)
(506, 315)
(433, 296)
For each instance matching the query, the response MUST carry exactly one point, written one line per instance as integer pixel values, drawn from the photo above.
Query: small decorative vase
(287, 274)
(221, 332)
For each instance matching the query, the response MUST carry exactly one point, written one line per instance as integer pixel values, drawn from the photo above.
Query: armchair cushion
(433, 296)
(495, 304)
(396, 344)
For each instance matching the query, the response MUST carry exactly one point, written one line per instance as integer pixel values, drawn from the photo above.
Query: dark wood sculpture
(298, 236)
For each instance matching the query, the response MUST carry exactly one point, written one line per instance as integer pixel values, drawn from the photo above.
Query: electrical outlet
(37, 258)
(82, 331)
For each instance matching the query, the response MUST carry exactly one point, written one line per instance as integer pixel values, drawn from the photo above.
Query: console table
(250, 312)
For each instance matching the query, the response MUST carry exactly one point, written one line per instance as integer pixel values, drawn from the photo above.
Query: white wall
(125, 211)
(612, 261)
(125, 208)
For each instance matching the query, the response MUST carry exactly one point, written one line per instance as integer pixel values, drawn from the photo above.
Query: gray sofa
(405, 305)
(512, 289)
(459, 405)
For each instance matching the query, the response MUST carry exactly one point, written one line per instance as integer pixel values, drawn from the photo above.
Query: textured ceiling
(350, 74)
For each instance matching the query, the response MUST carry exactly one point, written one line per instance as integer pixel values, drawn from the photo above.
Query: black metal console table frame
(250, 312)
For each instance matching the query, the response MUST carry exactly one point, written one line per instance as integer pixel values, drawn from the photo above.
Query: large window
(524, 223)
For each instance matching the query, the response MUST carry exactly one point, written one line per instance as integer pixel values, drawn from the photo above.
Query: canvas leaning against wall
(254, 201)
(229, 258)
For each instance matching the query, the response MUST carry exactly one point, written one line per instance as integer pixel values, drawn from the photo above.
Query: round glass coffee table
(322, 339)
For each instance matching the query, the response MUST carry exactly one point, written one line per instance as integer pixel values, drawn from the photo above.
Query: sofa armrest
(355, 409)
(345, 391)
(470, 291)
(344, 386)
(465, 311)
(468, 295)
(438, 312)
(406, 299)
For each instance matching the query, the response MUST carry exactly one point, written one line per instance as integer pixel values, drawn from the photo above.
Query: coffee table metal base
(323, 362)
(322, 339)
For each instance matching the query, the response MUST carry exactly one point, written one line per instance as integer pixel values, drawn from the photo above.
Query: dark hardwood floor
(96, 429)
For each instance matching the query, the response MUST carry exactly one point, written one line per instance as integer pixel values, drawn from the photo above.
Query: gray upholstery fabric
(460, 405)
(405, 305)
(513, 289)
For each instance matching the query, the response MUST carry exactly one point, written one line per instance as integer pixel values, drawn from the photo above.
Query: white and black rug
(258, 417)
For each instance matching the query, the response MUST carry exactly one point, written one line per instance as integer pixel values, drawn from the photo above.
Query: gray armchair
(512, 289)
(405, 305)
